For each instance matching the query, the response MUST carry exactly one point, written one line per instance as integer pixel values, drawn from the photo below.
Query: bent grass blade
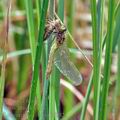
(60, 56)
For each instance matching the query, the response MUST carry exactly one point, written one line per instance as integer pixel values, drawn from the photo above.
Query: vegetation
(49, 71)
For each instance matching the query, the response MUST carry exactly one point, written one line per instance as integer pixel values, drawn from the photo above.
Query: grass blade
(97, 27)
(56, 71)
(116, 102)
(52, 80)
(37, 59)
(31, 28)
(74, 111)
(117, 30)
(86, 100)
(110, 28)
(96, 77)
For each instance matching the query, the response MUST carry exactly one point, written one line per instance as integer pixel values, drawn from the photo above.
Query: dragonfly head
(57, 29)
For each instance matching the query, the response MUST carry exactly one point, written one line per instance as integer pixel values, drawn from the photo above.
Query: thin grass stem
(108, 55)
(30, 114)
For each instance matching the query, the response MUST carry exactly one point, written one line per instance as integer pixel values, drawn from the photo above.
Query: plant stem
(2, 84)
(52, 80)
(30, 21)
(116, 103)
(86, 100)
(37, 61)
(110, 28)
(97, 27)
(74, 111)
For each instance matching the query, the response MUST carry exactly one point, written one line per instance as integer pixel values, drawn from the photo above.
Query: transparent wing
(66, 67)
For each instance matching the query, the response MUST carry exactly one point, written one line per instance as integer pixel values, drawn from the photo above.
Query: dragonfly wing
(66, 67)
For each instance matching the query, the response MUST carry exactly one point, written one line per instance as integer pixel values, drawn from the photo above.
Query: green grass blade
(86, 99)
(116, 102)
(117, 26)
(44, 109)
(31, 29)
(51, 9)
(73, 112)
(52, 80)
(38, 8)
(110, 28)
(37, 63)
(70, 20)
(117, 88)
(52, 98)
(97, 24)
(57, 89)
(44, 113)
(2, 84)
(61, 10)
(56, 71)
(16, 54)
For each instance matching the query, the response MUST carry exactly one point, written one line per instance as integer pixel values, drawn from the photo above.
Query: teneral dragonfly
(59, 54)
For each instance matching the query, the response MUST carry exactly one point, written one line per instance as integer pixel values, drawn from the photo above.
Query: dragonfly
(59, 53)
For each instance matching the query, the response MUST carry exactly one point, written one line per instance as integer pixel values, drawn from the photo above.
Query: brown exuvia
(57, 29)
